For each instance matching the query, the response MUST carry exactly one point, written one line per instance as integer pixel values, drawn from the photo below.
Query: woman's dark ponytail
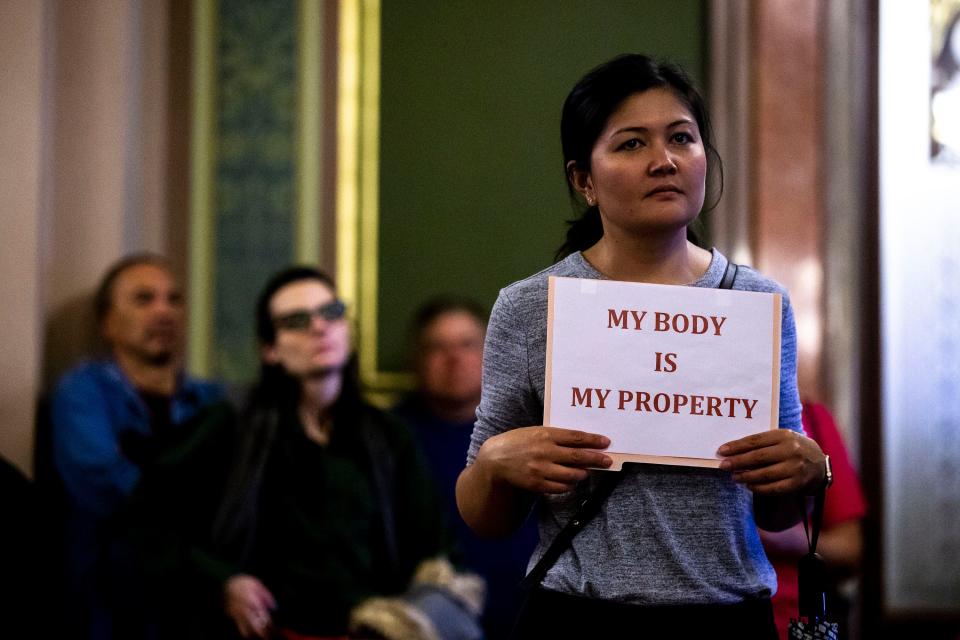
(584, 232)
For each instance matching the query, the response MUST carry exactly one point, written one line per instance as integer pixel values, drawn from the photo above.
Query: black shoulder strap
(726, 282)
(811, 569)
(812, 528)
(606, 483)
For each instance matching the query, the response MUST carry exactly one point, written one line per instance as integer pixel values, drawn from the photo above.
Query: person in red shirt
(841, 539)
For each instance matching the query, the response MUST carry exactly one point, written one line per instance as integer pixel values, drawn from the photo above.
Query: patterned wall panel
(255, 194)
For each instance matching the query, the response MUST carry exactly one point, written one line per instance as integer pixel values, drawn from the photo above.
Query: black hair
(103, 298)
(586, 111)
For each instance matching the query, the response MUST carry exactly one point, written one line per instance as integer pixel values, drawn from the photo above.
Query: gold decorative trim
(358, 185)
(309, 133)
(202, 161)
(348, 137)
(369, 186)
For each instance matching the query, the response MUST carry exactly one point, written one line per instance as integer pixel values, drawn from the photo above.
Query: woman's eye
(632, 143)
(682, 138)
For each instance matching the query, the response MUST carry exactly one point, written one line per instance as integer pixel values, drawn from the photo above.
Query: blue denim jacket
(92, 407)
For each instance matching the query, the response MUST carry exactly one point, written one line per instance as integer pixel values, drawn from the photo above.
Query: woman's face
(648, 167)
(313, 348)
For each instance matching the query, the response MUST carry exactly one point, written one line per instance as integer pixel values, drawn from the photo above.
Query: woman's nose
(662, 162)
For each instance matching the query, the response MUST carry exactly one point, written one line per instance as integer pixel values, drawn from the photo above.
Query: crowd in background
(294, 509)
(302, 512)
(164, 510)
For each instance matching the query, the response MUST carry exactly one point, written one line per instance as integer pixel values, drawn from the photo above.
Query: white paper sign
(668, 373)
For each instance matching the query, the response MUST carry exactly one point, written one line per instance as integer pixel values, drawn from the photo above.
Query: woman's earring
(590, 200)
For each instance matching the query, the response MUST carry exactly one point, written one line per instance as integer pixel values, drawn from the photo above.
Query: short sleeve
(507, 399)
(790, 408)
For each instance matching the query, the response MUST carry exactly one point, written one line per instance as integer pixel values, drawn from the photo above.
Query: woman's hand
(543, 459)
(494, 494)
(249, 603)
(774, 462)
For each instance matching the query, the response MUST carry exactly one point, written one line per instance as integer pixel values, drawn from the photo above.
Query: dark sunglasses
(300, 320)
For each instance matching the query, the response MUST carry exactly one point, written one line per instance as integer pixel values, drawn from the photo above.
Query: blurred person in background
(447, 355)
(329, 511)
(110, 420)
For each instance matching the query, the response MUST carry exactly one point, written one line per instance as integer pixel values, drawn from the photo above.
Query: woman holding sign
(671, 548)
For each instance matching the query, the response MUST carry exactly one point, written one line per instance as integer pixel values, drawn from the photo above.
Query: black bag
(812, 622)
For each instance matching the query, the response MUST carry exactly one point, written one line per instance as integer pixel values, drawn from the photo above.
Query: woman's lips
(664, 190)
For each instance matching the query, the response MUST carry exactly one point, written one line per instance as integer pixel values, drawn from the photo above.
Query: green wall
(472, 192)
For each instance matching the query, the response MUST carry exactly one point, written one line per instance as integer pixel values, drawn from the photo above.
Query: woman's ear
(581, 181)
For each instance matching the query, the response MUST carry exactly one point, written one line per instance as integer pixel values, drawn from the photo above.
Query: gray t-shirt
(667, 535)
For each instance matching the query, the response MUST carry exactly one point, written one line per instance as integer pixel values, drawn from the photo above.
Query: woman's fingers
(761, 449)
(768, 475)
(545, 459)
(565, 474)
(753, 459)
(265, 597)
(577, 439)
(248, 603)
(776, 461)
(258, 618)
(583, 458)
(557, 478)
(578, 448)
(755, 441)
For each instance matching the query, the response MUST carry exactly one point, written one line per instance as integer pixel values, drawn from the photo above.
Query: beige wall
(84, 179)
(21, 172)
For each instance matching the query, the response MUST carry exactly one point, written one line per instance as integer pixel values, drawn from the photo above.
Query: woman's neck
(655, 259)
(317, 396)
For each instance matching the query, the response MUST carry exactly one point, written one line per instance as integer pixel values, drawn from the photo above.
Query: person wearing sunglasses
(328, 502)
